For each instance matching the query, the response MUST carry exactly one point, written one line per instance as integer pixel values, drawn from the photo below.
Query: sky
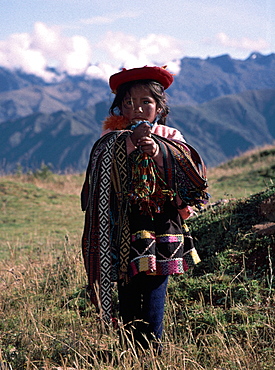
(98, 37)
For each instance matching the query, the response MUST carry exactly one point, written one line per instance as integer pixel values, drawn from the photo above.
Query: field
(220, 316)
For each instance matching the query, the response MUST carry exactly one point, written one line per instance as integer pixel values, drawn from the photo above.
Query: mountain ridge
(206, 79)
(57, 123)
(218, 129)
(198, 81)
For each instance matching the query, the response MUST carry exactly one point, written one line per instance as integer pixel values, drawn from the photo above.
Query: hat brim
(159, 74)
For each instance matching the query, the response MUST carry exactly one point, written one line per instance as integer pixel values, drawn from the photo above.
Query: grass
(243, 176)
(38, 213)
(220, 316)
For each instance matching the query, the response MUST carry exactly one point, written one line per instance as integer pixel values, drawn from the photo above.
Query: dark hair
(154, 87)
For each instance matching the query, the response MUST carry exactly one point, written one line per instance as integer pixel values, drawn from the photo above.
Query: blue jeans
(143, 299)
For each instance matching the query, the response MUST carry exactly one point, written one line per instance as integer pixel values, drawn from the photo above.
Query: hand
(143, 130)
(147, 145)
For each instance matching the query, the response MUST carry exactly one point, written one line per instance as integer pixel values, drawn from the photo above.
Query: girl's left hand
(148, 145)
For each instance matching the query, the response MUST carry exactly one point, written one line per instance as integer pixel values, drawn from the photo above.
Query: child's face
(139, 104)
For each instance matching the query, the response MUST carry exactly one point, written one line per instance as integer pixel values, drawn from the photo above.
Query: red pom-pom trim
(115, 123)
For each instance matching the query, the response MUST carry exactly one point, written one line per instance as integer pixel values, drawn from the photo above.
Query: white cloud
(78, 55)
(130, 51)
(101, 70)
(109, 18)
(174, 66)
(17, 53)
(243, 43)
(45, 46)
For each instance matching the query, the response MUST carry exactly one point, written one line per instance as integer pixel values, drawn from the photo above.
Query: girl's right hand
(139, 132)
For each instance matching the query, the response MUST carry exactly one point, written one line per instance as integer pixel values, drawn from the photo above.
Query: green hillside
(219, 317)
(244, 175)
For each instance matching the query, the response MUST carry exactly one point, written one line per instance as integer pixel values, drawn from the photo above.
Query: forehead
(139, 91)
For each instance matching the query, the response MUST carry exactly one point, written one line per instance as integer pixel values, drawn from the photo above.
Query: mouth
(139, 119)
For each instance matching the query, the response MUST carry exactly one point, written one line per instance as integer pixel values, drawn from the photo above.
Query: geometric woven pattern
(122, 192)
(104, 226)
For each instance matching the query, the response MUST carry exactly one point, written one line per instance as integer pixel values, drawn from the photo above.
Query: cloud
(17, 53)
(130, 51)
(101, 70)
(110, 18)
(44, 47)
(243, 43)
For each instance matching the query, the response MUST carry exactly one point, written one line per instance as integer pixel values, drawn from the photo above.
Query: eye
(148, 101)
(128, 102)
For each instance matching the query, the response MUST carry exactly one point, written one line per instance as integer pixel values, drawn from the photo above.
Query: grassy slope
(34, 213)
(222, 317)
(243, 176)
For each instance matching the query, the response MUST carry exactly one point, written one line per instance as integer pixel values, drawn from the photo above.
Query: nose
(137, 108)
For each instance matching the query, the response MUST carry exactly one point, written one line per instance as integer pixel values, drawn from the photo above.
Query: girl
(141, 180)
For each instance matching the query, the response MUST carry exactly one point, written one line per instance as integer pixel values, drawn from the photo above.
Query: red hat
(159, 74)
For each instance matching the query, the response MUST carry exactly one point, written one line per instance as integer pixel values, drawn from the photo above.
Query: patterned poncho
(117, 183)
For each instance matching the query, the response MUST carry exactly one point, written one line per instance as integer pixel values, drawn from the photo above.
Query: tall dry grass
(66, 184)
(48, 323)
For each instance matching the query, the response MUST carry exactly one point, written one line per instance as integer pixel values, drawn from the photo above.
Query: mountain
(199, 81)
(61, 140)
(73, 93)
(228, 126)
(223, 106)
(219, 129)
(15, 80)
